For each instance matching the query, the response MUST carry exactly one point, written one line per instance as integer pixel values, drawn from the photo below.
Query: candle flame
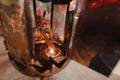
(52, 51)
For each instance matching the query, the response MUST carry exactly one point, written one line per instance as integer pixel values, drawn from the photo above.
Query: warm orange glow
(98, 3)
(95, 4)
(52, 51)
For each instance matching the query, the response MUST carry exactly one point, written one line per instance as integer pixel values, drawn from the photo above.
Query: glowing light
(95, 4)
(52, 51)
(98, 3)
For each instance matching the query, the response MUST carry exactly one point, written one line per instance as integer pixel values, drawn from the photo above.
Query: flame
(52, 51)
